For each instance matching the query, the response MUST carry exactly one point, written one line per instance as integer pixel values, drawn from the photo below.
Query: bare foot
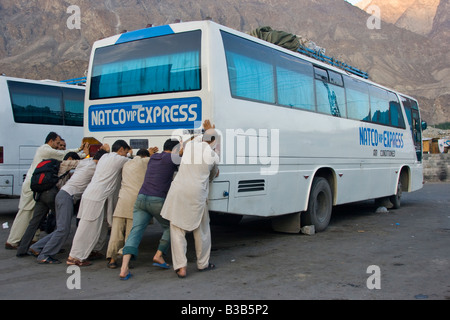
(181, 273)
(158, 259)
(124, 272)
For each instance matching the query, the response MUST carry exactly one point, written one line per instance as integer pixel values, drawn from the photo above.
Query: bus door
(417, 133)
(412, 113)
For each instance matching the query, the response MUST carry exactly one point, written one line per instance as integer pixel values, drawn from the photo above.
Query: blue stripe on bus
(145, 33)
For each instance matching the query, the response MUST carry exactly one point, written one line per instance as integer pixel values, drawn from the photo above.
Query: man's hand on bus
(86, 146)
(153, 150)
(207, 125)
(105, 147)
(180, 152)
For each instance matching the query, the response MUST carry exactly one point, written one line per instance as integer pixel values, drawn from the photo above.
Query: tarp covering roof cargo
(283, 39)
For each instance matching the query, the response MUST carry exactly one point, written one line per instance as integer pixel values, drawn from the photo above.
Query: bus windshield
(169, 63)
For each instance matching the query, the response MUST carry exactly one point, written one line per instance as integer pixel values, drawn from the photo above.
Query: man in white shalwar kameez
(49, 150)
(186, 204)
(98, 199)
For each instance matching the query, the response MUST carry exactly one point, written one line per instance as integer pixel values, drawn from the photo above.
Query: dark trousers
(45, 204)
(51, 244)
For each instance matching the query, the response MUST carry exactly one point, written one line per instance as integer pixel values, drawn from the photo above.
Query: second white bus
(30, 109)
(297, 135)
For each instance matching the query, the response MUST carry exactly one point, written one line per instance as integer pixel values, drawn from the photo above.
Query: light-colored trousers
(120, 230)
(19, 226)
(91, 235)
(23, 216)
(202, 240)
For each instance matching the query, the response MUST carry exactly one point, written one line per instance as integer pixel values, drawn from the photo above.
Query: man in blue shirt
(157, 181)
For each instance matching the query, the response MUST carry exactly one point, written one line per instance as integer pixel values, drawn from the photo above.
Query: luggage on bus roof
(280, 38)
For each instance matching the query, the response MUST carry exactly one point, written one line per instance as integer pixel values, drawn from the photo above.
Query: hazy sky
(353, 1)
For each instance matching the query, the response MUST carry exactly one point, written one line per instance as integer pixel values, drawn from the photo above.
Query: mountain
(414, 15)
(431, 19)
(36, 43)
(441, 24)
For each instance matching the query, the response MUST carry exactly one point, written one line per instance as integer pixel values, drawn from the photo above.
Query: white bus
(298, 136)
(30, 109)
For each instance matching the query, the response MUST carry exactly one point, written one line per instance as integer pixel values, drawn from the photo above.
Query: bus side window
(295, 86)
(35, 103)
(329, 92)
(395, 111)
(250, 69)
(379, 105)
(73, 107)
(357, 93)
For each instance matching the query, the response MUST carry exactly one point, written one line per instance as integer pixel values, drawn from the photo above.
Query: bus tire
(397, 197)
(320, 205)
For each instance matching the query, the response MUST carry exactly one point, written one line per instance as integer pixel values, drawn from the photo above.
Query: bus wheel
(319, 206)
(396, 198)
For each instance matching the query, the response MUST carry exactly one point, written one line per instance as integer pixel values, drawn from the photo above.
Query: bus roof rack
(295, 43)
(318, 55)
(79, 81)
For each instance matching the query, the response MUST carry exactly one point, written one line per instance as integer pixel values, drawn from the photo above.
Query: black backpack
(45, 176)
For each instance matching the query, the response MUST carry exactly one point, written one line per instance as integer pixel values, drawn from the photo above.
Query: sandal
(209, 267)
(32, 252)
(74, 262)
(10, 246)
(128, 276)
(163, 265)
(49, 260)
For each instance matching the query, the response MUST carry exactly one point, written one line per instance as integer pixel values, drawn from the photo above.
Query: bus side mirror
(424, 125)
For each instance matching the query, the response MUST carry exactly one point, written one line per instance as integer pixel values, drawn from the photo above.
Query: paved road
(409, 249)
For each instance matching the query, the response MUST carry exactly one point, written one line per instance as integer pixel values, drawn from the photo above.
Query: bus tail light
(1, 154)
